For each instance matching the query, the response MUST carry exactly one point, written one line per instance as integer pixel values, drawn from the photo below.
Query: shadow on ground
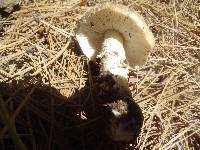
(51, 121)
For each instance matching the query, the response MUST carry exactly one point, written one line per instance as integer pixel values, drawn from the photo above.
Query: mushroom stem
(112, 55)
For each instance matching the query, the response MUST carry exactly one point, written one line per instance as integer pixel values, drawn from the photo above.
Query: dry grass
(38, 45)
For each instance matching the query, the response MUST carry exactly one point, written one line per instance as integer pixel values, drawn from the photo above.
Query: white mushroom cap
(138, 40)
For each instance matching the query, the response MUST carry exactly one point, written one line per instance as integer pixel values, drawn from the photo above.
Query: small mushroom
(117, 36)
(120, 39)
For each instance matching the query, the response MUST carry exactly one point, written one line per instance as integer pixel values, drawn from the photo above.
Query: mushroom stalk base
(125, 113)
(112, 55)
(113, 67)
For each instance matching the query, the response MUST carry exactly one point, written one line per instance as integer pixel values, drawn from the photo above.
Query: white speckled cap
(138, 40)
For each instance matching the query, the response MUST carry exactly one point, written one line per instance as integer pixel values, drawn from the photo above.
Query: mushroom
(119, 39)
(117, 36)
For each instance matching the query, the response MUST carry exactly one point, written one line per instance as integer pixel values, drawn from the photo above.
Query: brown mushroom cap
(138, 39)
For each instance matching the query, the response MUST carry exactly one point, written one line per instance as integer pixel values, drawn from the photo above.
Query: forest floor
(42, 66)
